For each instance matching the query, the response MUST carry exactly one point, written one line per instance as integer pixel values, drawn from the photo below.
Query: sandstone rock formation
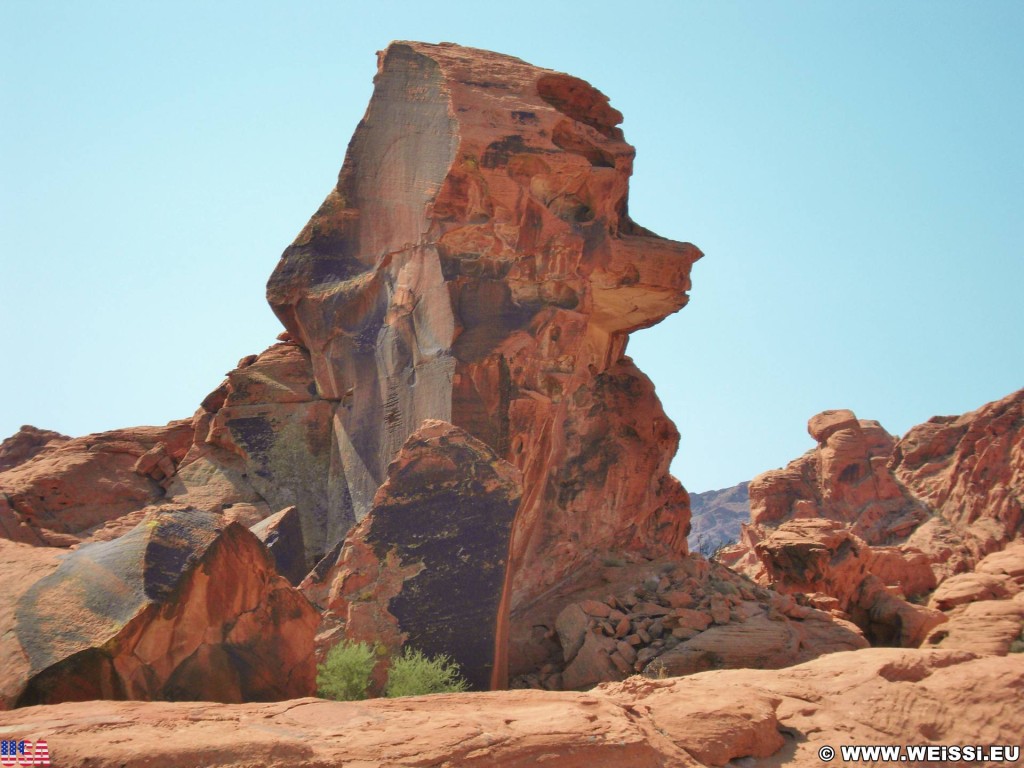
(26, 443)
(716, 516)
(875, 696)
(476, 264)
(873, 523)
(185, 606)
(58, 494)
(427, 565)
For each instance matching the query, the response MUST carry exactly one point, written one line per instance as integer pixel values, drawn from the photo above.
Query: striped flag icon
(24, 753)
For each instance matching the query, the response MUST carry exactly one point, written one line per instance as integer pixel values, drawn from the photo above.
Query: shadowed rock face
(476, 264)
(184, 606)
(427, 566)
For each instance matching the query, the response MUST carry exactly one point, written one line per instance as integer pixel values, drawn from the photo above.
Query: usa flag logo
(24, 753)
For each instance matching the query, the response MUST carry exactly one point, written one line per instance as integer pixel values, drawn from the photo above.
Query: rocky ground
(750, 717)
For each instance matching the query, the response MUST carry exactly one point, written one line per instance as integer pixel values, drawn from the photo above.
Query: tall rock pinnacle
(476, 264)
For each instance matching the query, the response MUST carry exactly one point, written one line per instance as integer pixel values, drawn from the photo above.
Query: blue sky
(853, 171)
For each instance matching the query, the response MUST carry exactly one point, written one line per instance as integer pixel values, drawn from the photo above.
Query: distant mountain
(715, 517)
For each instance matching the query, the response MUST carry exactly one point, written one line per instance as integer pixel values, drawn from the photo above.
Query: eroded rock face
(184, 606)
(66, 489)
(877, 696)
(940, 498)
(426, 567)
(26, 443)
(970, 470)
(476, 264)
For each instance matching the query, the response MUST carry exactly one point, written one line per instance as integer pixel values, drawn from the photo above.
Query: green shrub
(413, 674)
(345, 673)
(1017, 646)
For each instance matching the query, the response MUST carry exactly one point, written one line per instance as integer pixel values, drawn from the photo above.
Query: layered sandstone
(877, 696)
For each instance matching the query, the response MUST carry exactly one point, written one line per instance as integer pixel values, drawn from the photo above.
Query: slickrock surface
(427, 565)
(184, 606)
(877, 696)
(870, 523)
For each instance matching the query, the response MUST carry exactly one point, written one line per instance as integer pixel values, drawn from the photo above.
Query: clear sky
(853, 171)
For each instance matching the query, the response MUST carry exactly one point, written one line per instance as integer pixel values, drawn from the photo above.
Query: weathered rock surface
(184, 606)
(476, 264)
(876, 696)
(970, 470)
(26, 443)
(427, 566)
(63, 491)
(940, 498)
(716, 517)
(669, 617)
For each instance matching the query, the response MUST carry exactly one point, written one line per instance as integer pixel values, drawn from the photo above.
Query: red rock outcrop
(871, 697)
(26, 443)
(942, 497)
(67, 489)
(427, 565)
(476, 264)
(970, 470)
(185, 606)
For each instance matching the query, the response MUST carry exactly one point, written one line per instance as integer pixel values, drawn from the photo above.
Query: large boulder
(427, 566)
(185, 606)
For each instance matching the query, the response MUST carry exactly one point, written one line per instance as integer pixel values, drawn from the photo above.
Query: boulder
(427, 566)
(184, 606)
